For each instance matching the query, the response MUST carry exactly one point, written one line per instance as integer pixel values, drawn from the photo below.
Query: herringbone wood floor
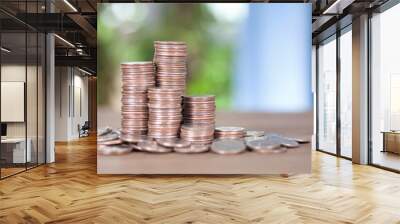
(70, 191)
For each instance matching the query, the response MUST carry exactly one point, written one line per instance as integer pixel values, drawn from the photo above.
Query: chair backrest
(86, 125)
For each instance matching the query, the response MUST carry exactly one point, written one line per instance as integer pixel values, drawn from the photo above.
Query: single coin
(173, 142)
(133, 138)
(111, 142)
(228, 146)
(251, 138)
(194, 148)
(153, 146)
(286, 142)
(137, 148)
(265, 146)
(104, 131)
(301, 140)
(108, 137)
(255, 133)
(114, 150)
(289, 143)
(230, 129)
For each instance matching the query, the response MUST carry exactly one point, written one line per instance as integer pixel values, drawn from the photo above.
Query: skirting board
(294, 161)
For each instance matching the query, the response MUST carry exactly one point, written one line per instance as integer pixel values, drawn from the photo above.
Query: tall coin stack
(136, 78)
(165, 112)
(198, 119)
(170, 58)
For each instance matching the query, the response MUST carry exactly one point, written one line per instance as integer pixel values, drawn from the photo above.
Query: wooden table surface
(296, 160)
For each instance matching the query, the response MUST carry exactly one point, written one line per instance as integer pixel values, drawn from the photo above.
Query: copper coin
(153, 146)
(173, 142)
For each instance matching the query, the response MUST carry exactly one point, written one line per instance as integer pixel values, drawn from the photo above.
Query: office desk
(13, 150)
(391, 141)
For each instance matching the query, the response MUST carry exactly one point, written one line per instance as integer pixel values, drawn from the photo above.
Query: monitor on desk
(3, 130)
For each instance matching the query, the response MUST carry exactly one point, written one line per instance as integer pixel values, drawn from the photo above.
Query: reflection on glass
(31, 97)
(14, 153)
(346, 94)
(327, 96)
(386, 89)
(41, 99)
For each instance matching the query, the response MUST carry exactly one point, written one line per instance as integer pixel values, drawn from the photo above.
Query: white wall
(71, 93)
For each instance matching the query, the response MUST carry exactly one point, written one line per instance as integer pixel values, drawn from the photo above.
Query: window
(385, 89)
(346, 93)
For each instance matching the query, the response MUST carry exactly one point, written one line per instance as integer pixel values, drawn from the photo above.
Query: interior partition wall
(334, 94)
(23, 91)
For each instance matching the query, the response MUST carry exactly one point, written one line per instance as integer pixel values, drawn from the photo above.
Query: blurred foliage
(210, 59)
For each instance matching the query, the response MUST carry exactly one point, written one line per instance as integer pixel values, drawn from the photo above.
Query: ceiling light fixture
(5, 50)
(70, 5)
(84, 71)
(64, 40)
(337, 7)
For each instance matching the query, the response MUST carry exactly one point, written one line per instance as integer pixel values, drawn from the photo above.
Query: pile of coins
(136, 78)
(198, 119)
(197, 134)
(165, 112)
(170, 58)
(229, 132)
(110, 142)
(199, 110)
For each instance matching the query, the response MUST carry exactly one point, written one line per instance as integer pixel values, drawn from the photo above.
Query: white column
(50, 99)
(360, 90)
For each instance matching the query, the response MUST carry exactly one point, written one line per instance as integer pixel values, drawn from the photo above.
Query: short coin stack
(197, 134)
(136, 78)
(165, 112)
(199, 119)
(199, 110)
(229, 132)
(170, 58)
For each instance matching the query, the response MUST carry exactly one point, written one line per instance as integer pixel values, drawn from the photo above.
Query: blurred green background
(126, 33)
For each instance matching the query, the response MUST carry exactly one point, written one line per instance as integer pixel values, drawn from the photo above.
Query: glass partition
(327, 96)
(385, 89)
(23, 92)
(13, 95)
(346, 93)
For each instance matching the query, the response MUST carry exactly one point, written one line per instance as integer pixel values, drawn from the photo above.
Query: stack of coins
(197, 133)
(136, 78)
(229, 132)
(165, 112)
(199, 110)
(170, 58)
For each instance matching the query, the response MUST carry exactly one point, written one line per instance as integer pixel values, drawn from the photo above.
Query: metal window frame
(339, 32)
(44, 74)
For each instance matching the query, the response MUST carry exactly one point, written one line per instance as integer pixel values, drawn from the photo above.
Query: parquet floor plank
(70, 191)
